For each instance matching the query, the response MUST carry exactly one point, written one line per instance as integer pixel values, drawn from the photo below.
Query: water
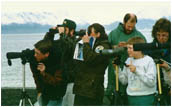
(11, 76)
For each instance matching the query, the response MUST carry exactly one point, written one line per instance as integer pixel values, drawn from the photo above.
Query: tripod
(24, 95)
(160, 99)
(116, 100)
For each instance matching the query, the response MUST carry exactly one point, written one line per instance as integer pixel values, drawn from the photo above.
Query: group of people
(70, 71)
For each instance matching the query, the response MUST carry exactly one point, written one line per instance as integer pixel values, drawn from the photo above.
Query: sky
(104, 12)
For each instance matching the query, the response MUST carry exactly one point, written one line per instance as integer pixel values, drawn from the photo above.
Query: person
(161, 33)
(140, 75)
(88, 85)
(67, 29)
(118, 38)
(66, 44)
(47, 73)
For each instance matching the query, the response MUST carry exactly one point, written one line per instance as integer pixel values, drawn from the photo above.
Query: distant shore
(11, 96)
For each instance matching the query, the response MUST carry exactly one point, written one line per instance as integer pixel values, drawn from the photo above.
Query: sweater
(143, 80)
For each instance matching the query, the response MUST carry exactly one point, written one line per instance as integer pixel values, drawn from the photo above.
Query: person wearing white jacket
(140, 75)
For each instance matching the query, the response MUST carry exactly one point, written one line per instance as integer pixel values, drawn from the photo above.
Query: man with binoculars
(66, 29)
(65, 44)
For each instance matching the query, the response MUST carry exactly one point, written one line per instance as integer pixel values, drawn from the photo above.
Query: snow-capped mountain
(29, 17)
(40, 22)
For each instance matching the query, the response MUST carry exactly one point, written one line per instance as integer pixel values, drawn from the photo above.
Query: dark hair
(71, 29)
(98, 28)
(44, 46)
(162, 24)
(128, 16)
(135, 40)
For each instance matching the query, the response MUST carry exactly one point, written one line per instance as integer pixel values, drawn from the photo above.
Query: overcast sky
(104, 12)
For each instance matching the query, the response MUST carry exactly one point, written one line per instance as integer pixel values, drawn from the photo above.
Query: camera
(54, 31)
(26, 56)
(80, 33)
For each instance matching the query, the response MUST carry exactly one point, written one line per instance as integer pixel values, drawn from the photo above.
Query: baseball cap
(69, 23)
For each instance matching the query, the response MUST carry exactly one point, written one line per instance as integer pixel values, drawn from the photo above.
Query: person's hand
(61, 30)
(122, 44)
(132, 67)
(164, 65)
(86, 38)
(41, 67)
(115, 46)
(38, 96)
(54, 27)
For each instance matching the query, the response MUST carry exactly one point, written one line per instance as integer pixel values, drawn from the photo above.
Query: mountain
(111, 26)
(33, 23)
(145, 24)
(39, 28)
(15, 28)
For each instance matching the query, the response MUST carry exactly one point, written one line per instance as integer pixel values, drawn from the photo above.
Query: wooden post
(159, 79)
(117, 80)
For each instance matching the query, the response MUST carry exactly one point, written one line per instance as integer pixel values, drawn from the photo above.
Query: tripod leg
(30, 102)
(116, 74)
(20, 103)
(24, 101)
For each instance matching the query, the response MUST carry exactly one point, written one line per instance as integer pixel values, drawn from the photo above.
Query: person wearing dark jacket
(65, 44)
(89, 77)
(161, 33)
(47, 73)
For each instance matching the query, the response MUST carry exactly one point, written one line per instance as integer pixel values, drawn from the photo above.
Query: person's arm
(165, 66)
(123, 76)
(39, 95)
(167, 77)
(50, 35)
(53, 80)
(35, 76)
(166, 69)
(52, 31)
(91, 57)
(48, 78)
(147, 74)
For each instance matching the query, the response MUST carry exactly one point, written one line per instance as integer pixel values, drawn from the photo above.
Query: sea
(12, 76)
